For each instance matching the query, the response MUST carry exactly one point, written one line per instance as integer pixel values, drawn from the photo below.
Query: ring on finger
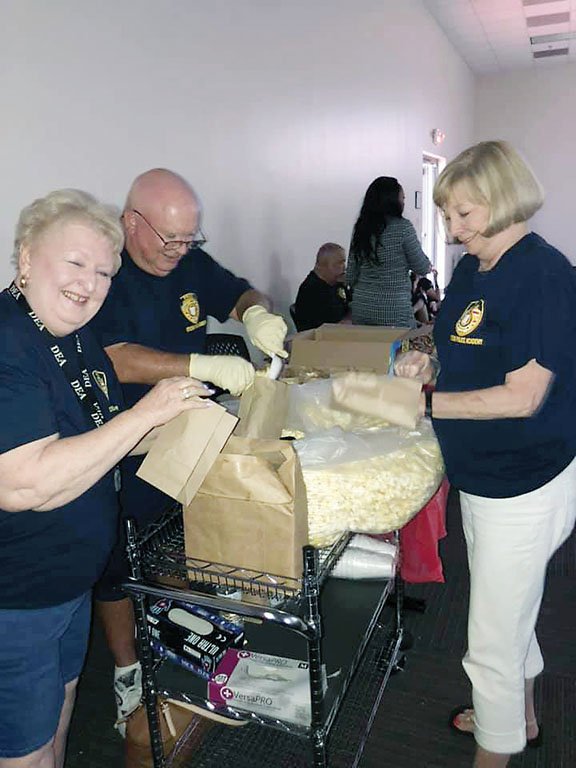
(186, 394)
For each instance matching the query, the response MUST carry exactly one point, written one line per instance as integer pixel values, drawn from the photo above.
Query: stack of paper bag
(185, 449)
(244, 497)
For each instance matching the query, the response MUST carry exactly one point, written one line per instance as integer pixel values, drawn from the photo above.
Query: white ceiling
(495, 35)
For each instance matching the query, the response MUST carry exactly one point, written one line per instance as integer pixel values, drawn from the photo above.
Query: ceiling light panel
(553, 29)
(550, 53)
(550, 6)
(528, 3)
(558, 37)
(549, 46)
(547, 19)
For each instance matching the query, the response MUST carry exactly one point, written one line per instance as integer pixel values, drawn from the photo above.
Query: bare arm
(521, 395)
(52, 471)
(144, 445)
(135, 364)
(523, 392)
(249, 299)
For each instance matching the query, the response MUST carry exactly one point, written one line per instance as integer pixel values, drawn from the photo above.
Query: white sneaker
(128, 692)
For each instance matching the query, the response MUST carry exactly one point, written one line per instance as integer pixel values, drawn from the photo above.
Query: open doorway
(433, 241)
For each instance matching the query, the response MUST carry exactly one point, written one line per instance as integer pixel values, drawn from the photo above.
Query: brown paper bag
(176, 723)
(251, 509)
(391, 398)
(185, 449)
(263, 409)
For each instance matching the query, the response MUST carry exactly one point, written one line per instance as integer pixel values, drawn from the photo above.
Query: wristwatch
(428, 403)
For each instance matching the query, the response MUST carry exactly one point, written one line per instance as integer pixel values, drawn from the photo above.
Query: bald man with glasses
(153, 326)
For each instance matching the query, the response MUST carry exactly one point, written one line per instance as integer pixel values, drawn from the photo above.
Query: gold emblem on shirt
(471, 318)
(100, 379)
(190, 308)
(341, 293)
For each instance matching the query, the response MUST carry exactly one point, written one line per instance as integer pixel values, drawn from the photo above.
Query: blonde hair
(67, 205)
(493, 174)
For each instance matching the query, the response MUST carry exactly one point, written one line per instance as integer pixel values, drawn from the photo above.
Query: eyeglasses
(175, 245)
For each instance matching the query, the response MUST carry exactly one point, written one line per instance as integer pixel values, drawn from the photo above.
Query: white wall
(280, 114)
(536, 110)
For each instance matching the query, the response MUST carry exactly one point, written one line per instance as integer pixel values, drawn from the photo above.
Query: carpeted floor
(410, 729)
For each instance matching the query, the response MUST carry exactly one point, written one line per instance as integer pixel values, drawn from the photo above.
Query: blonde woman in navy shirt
(504, 411)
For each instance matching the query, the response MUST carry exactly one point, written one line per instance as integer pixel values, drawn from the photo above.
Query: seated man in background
(323, 296)
(425, 297)
(431, 293)
(418, 300)
(153, 326)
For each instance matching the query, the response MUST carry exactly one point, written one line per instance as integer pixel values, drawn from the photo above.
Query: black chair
(293, 314)
(226, 344)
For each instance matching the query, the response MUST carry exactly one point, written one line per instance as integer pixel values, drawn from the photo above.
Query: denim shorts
(41, 649)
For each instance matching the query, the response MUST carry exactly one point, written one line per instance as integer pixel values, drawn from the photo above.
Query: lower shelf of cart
(342, 646)
(254, 746)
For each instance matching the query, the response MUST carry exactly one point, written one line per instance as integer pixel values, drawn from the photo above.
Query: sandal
(465, 714)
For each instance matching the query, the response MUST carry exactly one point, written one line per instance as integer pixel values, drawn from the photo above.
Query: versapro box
(269, 685)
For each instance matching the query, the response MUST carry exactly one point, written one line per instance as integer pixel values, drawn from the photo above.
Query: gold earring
(23, 282)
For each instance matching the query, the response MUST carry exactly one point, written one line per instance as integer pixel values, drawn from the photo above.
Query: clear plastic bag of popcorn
(371, 481)
(310, 410)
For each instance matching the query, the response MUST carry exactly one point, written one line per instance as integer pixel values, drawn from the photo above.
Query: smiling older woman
(62, 436)
(504, 411)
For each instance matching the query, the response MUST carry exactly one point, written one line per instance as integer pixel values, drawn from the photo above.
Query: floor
(410, 729)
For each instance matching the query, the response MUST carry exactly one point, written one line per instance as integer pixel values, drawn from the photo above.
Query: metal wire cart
(335, 624)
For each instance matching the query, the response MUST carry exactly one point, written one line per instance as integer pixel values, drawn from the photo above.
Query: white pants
(510, 542)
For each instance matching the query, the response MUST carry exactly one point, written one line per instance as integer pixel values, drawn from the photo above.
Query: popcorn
(311, 410)
(361, 473)
(372, 495)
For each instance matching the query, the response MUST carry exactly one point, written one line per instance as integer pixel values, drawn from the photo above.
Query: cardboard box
(190, 635)
(348, 347)
(269, 685)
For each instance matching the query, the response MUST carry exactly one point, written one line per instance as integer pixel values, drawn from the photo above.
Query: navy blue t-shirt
(492, 323)
(169, 314)
(48, 558)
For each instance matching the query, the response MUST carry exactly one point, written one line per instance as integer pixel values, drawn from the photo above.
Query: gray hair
(69, 205)
(328, 250)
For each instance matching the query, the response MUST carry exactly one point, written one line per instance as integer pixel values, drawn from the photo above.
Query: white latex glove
(414, 365)
(226, 371)
(266, 331)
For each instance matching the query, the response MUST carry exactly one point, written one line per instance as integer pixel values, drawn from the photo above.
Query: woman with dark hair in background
(384, 248)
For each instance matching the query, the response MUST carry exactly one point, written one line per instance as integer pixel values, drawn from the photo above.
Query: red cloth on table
(420, 561)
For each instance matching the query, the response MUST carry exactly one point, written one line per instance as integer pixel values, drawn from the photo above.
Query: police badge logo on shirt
(190, 308)
(468, 322)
